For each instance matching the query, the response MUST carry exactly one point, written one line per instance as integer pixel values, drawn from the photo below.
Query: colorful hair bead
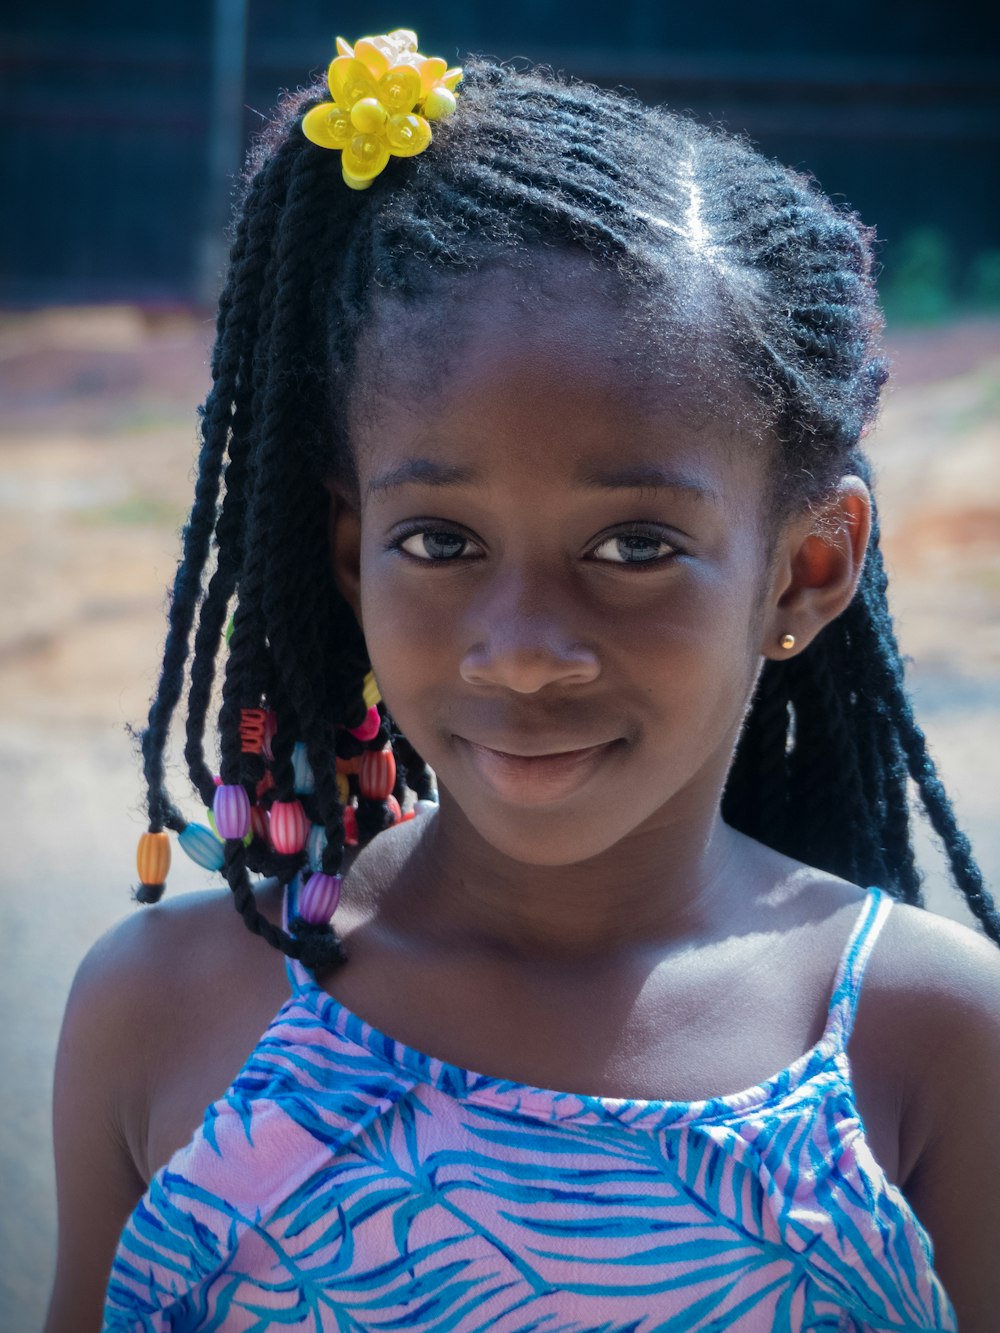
(247, 837)
(203, 847)
(289, 827)
(252, 724)
(231, 809)
(343, 789)
(265, 784)
(259, 826)
(377, 773)
(348, 766)
(316, 846)
(152, 858)
(394, 808)
(369, 728)
(370, 691)
(319, 897)
(305, 781)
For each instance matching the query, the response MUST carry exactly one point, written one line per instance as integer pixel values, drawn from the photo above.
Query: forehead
(556, 363)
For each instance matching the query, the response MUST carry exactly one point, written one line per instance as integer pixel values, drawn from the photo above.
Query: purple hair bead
(319, 898)
(231, 808)
(369, 728)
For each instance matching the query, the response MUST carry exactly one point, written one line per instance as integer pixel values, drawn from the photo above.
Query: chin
(539, 837)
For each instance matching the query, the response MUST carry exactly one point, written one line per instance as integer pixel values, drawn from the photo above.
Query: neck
(663, 883)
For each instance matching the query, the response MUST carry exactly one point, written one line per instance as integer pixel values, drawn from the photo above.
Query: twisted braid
(680, 212)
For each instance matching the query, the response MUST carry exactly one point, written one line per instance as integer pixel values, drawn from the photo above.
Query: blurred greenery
(923, 282)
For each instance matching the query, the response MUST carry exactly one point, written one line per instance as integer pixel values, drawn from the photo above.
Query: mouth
(535, 779)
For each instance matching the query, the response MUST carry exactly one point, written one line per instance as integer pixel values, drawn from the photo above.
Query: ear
(345, 545)
(819, 561)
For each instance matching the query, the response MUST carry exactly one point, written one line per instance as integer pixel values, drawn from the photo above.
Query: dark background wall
(122, 125)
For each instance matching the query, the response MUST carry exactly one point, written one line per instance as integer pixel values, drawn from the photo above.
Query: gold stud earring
(787, 640)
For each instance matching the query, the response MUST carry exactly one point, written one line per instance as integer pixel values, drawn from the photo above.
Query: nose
(523, 640)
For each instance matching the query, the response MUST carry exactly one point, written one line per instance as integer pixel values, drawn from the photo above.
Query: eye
(431, 544)
(634, 548)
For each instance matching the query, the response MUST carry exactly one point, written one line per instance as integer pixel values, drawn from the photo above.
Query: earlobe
(819, 563)
(345, 546)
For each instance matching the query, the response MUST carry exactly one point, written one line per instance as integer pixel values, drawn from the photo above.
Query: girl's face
(558, 567)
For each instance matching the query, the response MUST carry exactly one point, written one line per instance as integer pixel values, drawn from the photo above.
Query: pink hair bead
(377, 773)
(369, 728)
(289, 827)
(319, 898)
(231, 809)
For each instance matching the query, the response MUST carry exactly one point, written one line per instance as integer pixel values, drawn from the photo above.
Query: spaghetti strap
(850, 973)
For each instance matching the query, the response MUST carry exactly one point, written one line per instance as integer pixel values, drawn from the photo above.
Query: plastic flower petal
(350, 80)
(384, 93)
(399, 89)
(328, 126)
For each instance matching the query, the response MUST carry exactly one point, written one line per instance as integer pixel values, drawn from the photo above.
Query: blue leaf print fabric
(349, 1183)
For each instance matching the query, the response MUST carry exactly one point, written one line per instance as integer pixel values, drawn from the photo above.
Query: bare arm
(954, 1187)
(99, 1084)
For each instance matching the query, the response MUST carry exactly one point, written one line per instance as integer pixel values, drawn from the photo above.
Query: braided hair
(529, 160)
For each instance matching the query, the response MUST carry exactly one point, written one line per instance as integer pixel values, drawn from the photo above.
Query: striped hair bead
(203, 847)
(259, 826)
(247, 837)
(370, 690)
(289, 827)
(319, 898)
(369, 728)
(231, 809)
(152, 858)
(316, 846)
(394, 808)
(305, 781)
(377, 774)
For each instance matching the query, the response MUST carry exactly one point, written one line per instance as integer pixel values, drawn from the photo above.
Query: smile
(538, 779)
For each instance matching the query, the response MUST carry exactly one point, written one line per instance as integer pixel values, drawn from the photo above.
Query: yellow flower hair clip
(385, 94)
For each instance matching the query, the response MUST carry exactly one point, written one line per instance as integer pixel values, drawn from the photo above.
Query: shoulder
(158, 976)
(949, 970)
(931, 1005)
(171, 948)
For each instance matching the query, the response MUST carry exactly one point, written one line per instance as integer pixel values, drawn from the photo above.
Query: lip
(537, 779)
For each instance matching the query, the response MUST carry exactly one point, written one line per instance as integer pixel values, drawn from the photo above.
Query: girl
(541, 489)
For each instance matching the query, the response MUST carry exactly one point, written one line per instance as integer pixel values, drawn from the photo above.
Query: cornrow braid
(692, 220)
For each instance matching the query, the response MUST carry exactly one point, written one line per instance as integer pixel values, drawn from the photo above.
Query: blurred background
(123, 129)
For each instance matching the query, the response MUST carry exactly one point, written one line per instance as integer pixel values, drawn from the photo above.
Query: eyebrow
(425, 472)
(637, 477)
(647, 477)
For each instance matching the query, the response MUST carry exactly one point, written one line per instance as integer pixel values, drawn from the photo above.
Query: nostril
(528, 668)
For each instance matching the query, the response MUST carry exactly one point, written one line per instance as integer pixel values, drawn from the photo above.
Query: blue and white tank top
(348, 1182)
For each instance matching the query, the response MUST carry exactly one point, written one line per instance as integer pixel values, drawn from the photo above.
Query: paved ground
(96, 446)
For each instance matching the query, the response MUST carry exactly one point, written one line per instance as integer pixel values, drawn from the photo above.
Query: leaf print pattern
(349, 1183)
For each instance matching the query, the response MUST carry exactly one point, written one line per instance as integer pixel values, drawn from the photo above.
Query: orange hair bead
(377, 774)
(253, 722)
(152, 858)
